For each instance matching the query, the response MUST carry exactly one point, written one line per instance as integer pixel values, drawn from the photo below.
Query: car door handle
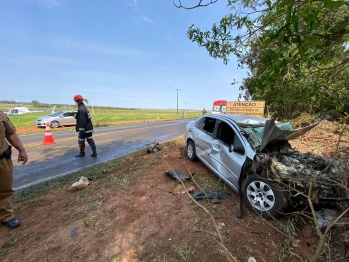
(197, 134)
(215, 144)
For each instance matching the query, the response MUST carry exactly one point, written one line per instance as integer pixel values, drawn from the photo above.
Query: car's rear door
(68, 119)
(227, 164)
(203, 133)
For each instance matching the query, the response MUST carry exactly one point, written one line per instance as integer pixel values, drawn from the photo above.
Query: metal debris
(73, 231)
(155, 148)
(177, 175)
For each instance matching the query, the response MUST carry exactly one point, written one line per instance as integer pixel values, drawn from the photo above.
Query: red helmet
(78, 97)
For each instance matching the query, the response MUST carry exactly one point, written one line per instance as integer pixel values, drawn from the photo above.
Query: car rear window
(207, 124)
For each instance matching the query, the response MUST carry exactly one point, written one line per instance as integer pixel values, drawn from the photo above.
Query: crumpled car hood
(273, 133)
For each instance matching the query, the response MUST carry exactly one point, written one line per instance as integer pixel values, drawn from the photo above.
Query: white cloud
(47, 3)
(141, 14)
(97, 47)
(46, 60)
(147, 19)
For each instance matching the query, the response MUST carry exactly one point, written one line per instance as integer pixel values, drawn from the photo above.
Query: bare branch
(193, 7)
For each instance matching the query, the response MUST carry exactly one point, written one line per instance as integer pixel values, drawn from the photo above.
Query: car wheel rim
(190, 150)
(260, 195)
(54, 124)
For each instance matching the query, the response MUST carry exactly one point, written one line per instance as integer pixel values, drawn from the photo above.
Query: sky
(118, 53)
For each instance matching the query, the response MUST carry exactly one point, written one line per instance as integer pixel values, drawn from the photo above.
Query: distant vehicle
(219, 107)
(19, 110)
(60, 118)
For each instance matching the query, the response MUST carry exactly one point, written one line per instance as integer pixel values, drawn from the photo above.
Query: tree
(35, 103)
(297, 52)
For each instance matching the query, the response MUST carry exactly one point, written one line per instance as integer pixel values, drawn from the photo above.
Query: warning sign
(252, 108)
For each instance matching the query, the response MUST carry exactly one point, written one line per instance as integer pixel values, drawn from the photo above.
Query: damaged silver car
(252, 155)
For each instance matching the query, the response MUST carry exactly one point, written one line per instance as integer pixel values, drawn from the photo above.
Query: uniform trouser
(6, 191)
(88, 137)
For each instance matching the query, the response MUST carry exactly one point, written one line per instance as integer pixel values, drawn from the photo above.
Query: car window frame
(217, 135)
(236, 139)
(68, 114)
(201, 125)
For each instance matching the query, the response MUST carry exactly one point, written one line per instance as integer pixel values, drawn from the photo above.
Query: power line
(16, 95)
(61, 89)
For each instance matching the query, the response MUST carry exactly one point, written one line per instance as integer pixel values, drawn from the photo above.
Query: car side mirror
(240, 150)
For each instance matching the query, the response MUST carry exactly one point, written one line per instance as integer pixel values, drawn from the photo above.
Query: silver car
(60, 118)
(252, 155)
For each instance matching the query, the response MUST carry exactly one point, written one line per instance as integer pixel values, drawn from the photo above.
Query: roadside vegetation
(102, 116)
(296, 52)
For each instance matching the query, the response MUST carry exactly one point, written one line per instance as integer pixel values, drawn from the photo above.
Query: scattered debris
(155, 148)
(177, 174)
(210, 195)
(92, 176)
(83, 182)
(326, 216)
(73, 231)
(220, 225)
(178, 188)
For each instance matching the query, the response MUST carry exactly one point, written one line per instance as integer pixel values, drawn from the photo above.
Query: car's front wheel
(54, 124)
(191, 152)
(263, 196)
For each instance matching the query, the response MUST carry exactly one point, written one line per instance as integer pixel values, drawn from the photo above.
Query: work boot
(82, 153)
(94, 152)
(12, 223)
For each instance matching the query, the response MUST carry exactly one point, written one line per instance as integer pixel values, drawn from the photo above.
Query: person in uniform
(8, 135)
(84, 127)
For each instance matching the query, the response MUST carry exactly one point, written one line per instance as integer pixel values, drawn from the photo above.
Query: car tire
(191, 152)
(54, 124)
(263, 197)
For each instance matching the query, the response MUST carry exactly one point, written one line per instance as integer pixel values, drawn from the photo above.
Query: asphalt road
(51, 161)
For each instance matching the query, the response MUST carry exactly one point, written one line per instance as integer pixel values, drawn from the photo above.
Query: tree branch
(193, 7)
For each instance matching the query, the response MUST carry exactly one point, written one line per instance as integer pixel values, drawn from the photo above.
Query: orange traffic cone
(48, 139)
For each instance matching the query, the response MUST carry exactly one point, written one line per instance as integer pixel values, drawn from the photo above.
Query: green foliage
(186, 252)
(296, 52)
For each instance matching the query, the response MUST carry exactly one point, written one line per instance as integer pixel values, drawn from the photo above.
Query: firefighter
(8, 134)
(84, 126)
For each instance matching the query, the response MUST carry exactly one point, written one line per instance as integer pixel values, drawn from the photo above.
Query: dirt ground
(131, 212)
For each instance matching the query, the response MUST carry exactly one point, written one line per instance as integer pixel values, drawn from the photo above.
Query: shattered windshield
(256, 133)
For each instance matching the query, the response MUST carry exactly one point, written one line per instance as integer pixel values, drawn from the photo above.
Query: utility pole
(177, 99)
(92, 107)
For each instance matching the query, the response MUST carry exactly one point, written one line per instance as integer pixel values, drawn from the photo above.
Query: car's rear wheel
(263, 196)
(191, 152)
(54, 124)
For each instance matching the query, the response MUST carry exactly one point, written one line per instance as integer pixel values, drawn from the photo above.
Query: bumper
(41, 123)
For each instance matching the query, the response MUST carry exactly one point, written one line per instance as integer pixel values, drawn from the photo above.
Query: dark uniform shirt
(83, 120)
(6, 128)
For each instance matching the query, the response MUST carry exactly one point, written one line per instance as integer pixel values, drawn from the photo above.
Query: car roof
(242, 119)
(64, 111)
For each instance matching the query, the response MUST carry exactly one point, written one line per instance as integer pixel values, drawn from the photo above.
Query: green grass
(102, 116)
